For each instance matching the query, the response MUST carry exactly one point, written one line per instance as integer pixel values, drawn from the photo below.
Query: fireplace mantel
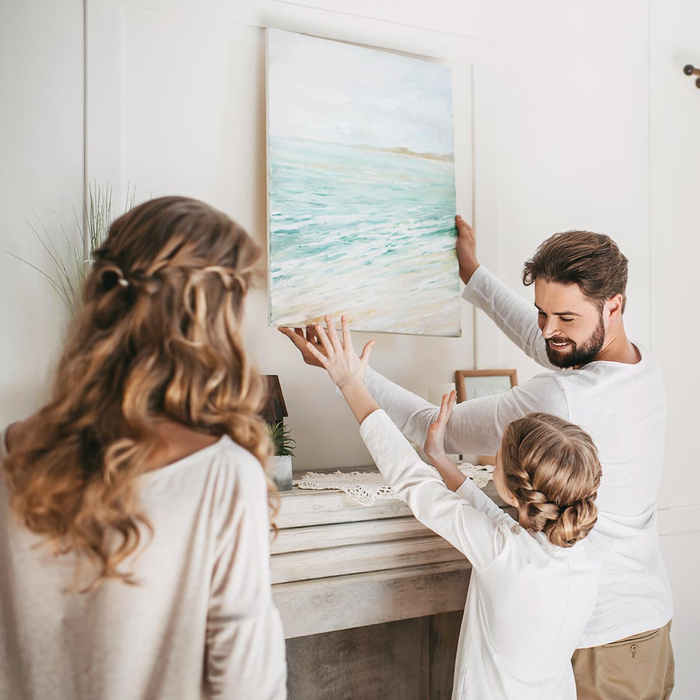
(337, 564)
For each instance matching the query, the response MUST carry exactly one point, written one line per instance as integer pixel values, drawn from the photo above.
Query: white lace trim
(369, 487)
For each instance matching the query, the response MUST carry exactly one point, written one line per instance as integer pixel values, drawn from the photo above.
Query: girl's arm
(434, 446)
(434, 449)
(472, 531)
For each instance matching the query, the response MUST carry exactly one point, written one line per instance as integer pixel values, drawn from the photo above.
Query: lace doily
(369, 487)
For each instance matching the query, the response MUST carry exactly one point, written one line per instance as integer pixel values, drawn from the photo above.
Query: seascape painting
(361, 193)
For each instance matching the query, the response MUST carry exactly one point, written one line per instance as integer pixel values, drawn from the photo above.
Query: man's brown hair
(590, 260)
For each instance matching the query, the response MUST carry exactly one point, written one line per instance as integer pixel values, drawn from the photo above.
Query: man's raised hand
(466, 249)
(302, 342)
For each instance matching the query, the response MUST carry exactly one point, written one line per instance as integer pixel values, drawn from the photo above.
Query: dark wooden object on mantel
(275, 410)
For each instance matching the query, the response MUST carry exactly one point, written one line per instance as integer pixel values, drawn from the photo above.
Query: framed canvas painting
(361, 194)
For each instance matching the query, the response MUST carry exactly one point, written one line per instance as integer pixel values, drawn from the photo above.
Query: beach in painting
(363, 226)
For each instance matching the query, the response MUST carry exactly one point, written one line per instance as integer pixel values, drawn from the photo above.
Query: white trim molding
(679, 519)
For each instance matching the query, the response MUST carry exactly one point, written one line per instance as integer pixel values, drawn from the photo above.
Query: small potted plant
(284, 446)
(273, 413)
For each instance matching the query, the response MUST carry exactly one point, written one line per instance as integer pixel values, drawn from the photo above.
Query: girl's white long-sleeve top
(528, 600)
(201, 622)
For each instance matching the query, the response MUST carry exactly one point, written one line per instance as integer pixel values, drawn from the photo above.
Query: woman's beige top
(200, 624)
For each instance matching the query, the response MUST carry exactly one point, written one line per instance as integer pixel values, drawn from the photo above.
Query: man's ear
(614, 306)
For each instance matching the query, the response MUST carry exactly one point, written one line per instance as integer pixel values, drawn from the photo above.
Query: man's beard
(573, 355)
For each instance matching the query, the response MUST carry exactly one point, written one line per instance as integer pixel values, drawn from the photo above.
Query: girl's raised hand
(435, 441)
(340, 360)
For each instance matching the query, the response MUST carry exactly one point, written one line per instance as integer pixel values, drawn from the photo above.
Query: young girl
(535, 581)
(134, 507)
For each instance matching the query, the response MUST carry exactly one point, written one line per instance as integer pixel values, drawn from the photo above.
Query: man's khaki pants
(636, 668)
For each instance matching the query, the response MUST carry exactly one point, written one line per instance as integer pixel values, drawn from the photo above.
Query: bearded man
(613, 389)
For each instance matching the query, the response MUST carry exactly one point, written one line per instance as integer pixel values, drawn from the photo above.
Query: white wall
(41, 151)
(599, 129)
(675, 249)
(573, 137)
(594, 127)
(192, 106)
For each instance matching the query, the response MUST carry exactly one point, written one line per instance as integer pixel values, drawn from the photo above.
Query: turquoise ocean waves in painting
(364, 231)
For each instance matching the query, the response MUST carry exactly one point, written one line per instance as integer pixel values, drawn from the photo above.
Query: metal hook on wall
(691, 70)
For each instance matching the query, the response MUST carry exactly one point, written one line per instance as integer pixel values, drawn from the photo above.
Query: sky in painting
(334, 92)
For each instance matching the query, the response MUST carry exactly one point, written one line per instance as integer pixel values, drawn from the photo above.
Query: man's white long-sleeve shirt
(623, 408)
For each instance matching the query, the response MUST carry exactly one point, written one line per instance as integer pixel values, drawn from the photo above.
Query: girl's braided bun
(551, 467)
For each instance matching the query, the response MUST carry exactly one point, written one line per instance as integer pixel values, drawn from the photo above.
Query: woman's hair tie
(112, 276)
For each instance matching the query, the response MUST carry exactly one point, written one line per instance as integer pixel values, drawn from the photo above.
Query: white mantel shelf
(337, 564)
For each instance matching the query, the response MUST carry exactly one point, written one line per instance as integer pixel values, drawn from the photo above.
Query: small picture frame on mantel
(477, 383)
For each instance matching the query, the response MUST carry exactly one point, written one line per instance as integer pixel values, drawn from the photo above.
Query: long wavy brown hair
(158, 337)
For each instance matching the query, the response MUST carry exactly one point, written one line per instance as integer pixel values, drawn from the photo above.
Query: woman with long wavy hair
(134, 507)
